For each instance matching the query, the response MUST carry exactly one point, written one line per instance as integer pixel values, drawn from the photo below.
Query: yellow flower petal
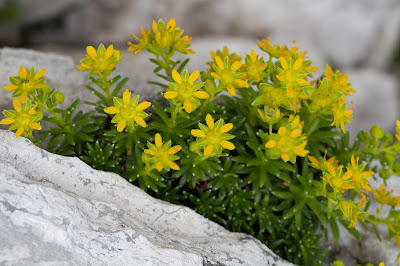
(295, 133)
(126, 97)
(241, 83)
(140, 121)
(270, 144)
(22, 72)
(284, 63)
(194, 76)
(176, 77)
(226, 128)
(112, 110)
(188, 106)
(303, 82)
(159, 166)
(10, 87)
(171, 24)
(235, 66)
(285, 157)
(109, 52)
(16, 104)
(282, 131)
(23, 97)
(158, 141)
(208, 150)
(39, 74)
(121, 125)
(35, 126)
(210, 121)
(143, 105)
(170, 94)
(215, 75)
(231, 90)
(198, 133)
(201, 94)
(150, 152)
(19, 132)
(173, 165)
(298, 63)
(174, 149)
(300, 151)
(219, 62)
(227, 145)
(91, 51)
(7, 121)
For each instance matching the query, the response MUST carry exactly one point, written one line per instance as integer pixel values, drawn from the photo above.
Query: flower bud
(58, 97)
(377, 132)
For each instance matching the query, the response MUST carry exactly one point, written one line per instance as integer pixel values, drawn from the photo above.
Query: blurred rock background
(359, 37)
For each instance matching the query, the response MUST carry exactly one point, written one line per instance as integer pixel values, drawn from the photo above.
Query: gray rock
(376, 100)
(346, 34)
(56, 210)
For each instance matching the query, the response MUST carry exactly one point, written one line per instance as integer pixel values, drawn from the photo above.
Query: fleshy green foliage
(271, 160)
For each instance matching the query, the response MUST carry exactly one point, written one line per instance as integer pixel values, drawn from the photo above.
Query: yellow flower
(337, 180)
(26, 83)
(323, 97)
(233, 57)
(228, 76)
(323, 164)
(384, 197)
(272, 97)
(100, 62)
(350, 210)
(24, 118)
(254, 67)
(270, 117)
(214, 137)
(127, 111)
(142, 42)
(185, 91)
(341, 115)
(338, 82)
(359, 176)
(276, 50)
(162, 155)
(287, 143)
(290, 74)
(398, 130)
(169, 35)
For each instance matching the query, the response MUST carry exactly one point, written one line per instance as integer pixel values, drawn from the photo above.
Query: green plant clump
(256, 145)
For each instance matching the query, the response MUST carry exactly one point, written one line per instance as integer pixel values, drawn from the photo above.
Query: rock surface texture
(56, 210)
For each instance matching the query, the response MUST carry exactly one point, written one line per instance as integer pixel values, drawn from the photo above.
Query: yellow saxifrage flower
(214, 137)
(350, 210)
(341, 115)
(233, 57)
(228, 76)
(359, 176)
(398, 130)
(170, 35)
(127, 111)
(272, 97)
(142, 42)
(24, 118)
(337, 180)
(100, 62)
(323, 164)
(185, 91)
(26, 83)
(288, 143)
(276, 50)
(162, 155)
(254, 67)
(338, 82)
(384, 197)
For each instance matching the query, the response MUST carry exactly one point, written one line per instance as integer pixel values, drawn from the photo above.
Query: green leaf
(316, 208)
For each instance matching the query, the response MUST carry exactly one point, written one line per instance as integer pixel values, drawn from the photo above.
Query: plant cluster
(258, 146)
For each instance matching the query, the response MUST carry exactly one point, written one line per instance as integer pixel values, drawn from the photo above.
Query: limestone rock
(57, 210)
